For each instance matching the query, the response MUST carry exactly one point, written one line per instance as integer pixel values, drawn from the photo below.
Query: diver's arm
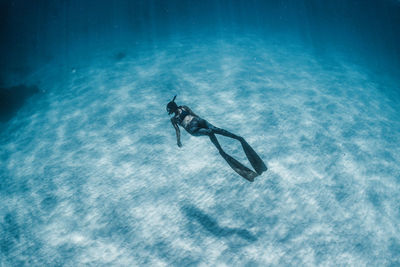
(178, 133)
(190, 111)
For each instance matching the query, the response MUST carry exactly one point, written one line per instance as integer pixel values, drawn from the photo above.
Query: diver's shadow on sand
(212, 226)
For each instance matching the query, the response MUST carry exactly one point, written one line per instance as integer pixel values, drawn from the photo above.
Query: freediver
(196, 126)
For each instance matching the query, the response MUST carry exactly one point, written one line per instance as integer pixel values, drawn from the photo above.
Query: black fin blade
(254, 159)
(240, 168)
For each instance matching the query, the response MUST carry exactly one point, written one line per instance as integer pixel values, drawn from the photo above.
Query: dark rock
(13, 98)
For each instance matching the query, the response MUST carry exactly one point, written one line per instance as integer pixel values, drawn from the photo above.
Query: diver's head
(172, 106)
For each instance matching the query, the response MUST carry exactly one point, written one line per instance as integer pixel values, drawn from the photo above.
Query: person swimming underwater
(196, 126)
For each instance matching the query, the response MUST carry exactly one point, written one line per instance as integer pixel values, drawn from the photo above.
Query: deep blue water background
(34, 33)
(90, 171)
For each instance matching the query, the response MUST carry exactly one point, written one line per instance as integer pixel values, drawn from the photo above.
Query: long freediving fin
(240, 168)
(254, 159)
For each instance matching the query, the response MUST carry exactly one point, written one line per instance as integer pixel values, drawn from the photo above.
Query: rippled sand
(91, 173)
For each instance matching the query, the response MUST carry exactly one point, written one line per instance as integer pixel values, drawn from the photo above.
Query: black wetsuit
(181, 117)
(197, 126)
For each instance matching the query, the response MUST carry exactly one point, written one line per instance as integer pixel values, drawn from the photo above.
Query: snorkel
(172, 106)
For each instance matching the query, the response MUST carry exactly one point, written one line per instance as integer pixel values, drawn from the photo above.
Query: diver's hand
(179, 144)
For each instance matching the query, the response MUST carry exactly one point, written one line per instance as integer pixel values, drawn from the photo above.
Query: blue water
(90, 171)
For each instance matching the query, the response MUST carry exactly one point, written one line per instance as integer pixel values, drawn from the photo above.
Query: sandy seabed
(91, 173)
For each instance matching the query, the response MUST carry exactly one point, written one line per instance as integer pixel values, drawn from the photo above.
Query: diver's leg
(202, 131)
(214, 140)
(223, 132)
(198, 127)
(235, 165)
(255, 161)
